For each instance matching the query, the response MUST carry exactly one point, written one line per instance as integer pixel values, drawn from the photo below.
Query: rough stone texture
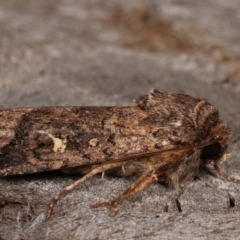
(95, 52)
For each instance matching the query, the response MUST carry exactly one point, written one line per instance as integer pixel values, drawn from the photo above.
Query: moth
(166, 137)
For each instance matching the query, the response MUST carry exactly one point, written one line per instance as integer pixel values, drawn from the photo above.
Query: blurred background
(108, 52)
(96, 52)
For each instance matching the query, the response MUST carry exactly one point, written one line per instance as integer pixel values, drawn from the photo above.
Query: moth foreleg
(225, 176)
(141, 183)
(99, 169)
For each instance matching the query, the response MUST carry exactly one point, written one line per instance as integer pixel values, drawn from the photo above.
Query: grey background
(109, 52)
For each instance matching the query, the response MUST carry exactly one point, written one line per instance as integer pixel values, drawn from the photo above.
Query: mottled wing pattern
(42, 139)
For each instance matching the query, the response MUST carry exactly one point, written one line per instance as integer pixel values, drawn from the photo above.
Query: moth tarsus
(165, 137)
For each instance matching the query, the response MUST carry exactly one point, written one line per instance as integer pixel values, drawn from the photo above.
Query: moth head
(215, 152)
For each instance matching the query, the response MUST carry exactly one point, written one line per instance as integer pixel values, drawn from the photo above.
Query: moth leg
(141, 183)
(225, 176)
(99, 169)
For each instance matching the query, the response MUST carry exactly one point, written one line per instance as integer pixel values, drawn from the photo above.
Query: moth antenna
(225, 176)
(141, 183)
(68, 189)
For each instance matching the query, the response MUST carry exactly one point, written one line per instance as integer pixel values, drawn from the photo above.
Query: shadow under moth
(166, 137)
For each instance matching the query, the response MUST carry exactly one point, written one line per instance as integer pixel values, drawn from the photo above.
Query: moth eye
(211, 152)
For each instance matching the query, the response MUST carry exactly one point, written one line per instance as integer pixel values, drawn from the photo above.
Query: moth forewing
(43, 139)
(165, 137)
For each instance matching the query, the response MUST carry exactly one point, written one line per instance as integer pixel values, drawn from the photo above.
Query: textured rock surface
(108, 53)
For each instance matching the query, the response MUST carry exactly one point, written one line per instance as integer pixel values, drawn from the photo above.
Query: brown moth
(166, 137)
